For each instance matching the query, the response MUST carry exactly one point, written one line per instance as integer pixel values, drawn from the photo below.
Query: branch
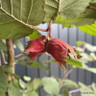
(10, 49)
(92, 7)
(61, 84)
(50, 27)
(19, 55)
(2, 53)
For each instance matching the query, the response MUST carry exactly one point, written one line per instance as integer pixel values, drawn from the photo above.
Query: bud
(36, 47)
(56, 48)
(60, 51)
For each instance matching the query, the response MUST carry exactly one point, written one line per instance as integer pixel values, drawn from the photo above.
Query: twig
(92, 7)
(84, 48)
(10, 49)
(2, 53)
(19, 55)
(61, 84)
(50, 27)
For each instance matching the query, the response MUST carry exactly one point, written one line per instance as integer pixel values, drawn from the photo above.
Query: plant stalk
(10, 49)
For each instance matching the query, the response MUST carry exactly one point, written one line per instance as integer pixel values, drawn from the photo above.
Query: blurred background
(69, 35)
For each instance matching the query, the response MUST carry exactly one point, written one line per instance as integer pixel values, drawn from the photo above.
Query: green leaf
(67, 9)
(31, 93)
(86, 91)
(2, 45)
(90, 47)
(90, 29)
(19, 45)
(8, 69)
(91, 69)
(16, 17)
(73, 62)
(70, 84)
(41, 65)
(94, 87)
(26, 78)
(22, 84)
(51, 86)
(34, 85)
(3, 82)
(52, 61)
(92, 56)
(65, 92)
(34, 35)
(13, 90)
(88, 17)
(79, 43)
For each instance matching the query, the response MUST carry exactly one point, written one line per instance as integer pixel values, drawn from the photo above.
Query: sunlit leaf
(70, 84)
(90, 29)
(26, 78)
(74, 63)
(90, 47)
(90, 69)
(79, 43)
(34, 35)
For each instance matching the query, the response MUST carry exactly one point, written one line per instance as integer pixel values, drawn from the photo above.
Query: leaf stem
(61, 84)
(92, 7)
(19, 55)
(2, 53)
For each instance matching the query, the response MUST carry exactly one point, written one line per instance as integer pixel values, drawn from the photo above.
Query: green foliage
(19, 45)
(91, 69)
(26, 78)
(65, 92)
(90, 29)
(79, 43)
(86, 91)
(70, 84)
(67, 9)
(14, 90)
(2, 45)
(3, 82)
(16, 17)
(41, 65)
(51, 86)
(88, 17)
(74, 63)
(34, 35)
(36, 64)
(94, 88)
